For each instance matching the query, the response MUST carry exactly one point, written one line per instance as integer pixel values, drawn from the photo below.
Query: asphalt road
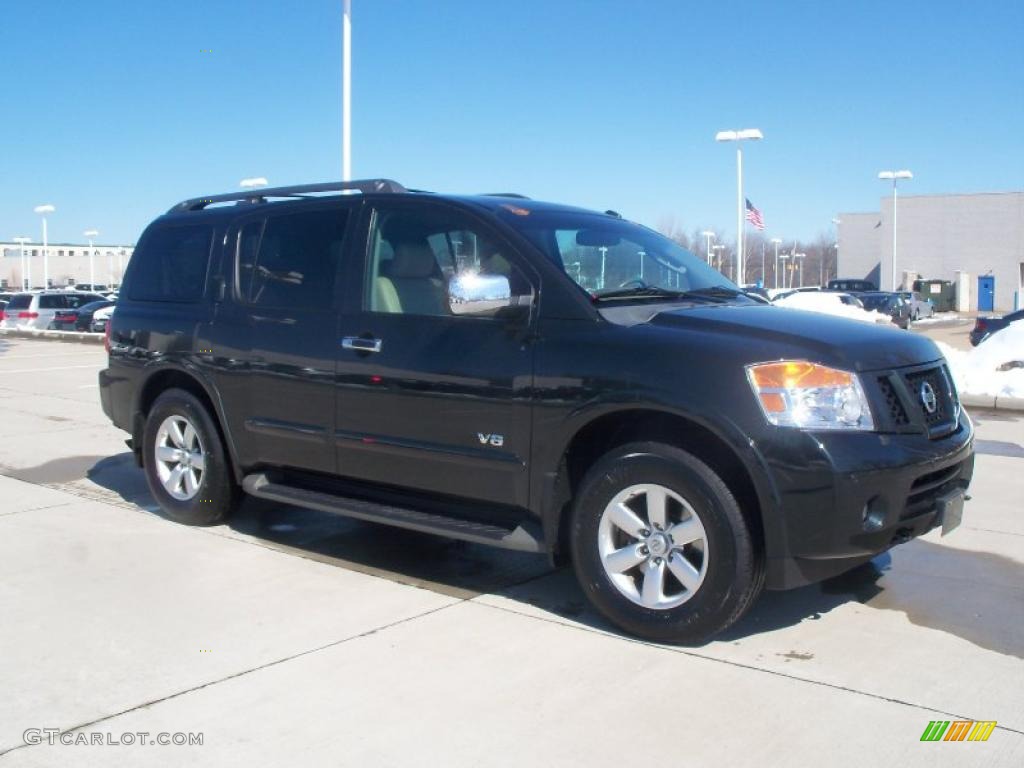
(294, 638)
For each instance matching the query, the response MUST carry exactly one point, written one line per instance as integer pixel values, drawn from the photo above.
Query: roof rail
(261, 195)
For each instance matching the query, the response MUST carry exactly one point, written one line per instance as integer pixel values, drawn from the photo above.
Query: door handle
(360, 344)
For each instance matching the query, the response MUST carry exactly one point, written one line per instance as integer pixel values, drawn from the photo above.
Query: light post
(783, 258)
(894, 176)
(776, 241)
(800, 256)
(346, 90)
(42, 210)
(91, 233)
(604, 255)
(641, 254)
(718, 252)
(709, 236)
(739, 136)
(26, 276)
(836, 223)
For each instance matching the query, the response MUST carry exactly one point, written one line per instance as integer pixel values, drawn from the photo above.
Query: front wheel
(186, 465)
(660, 546)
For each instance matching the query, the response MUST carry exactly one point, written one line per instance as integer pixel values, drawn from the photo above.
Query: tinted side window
(51, 301)
(298, 257)
(170, 264)
(21, 301)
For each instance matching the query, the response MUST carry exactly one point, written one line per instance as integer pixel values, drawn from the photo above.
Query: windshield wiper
(715, 291)
(640, 291)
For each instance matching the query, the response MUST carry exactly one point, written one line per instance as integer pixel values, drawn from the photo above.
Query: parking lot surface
(290, 637)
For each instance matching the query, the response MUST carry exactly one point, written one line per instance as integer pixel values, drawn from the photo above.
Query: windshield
(604, 254)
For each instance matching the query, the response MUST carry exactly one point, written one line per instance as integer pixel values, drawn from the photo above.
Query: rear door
(426, 399)
(282, 327)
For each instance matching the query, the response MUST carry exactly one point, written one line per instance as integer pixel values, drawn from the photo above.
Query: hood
(774, 333)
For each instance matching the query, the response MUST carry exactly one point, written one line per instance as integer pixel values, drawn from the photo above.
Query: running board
(519, 538)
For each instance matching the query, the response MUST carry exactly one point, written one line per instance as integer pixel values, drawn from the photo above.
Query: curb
(993, 402)
(68, 336)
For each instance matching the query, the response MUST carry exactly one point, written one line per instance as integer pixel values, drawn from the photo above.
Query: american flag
(754, 216)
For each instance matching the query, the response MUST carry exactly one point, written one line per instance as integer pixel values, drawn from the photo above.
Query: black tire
(735, 566)
(217, 494)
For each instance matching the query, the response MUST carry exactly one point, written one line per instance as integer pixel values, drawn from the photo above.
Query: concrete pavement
(290, 637)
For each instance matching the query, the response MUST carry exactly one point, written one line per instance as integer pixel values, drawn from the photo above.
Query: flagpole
(739, 214)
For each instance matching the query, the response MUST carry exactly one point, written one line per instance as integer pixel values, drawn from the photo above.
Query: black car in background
(79, 319)
(891, 304)
(530, 376)
(848, 285)
(986, 326)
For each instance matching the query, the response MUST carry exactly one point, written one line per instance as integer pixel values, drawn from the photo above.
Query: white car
(35, 311)
(100, 319)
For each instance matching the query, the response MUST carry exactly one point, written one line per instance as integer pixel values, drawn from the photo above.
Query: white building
(975, 241)
(68, 263)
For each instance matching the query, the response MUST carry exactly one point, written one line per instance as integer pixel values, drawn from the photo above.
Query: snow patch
(830, 304)
(977, 372)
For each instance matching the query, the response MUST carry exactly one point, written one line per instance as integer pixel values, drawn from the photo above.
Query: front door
(986, 293)
(427, 399)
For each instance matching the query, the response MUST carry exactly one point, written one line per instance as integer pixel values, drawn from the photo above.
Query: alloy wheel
(180, 457)
(653, 546)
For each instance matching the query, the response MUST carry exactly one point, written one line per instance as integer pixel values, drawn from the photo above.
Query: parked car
(77, 319)
(92, 288)
(35, 311)
(101, 317)
(786, 292)
(681, 444)
(891, 304)
(986, 326)
(918, 304)
(851, 286)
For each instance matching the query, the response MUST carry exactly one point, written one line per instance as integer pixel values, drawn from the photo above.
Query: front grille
(927, 489)
(943, 418)
(897, 413)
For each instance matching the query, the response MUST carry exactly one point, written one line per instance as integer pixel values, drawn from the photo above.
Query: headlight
(809, 396)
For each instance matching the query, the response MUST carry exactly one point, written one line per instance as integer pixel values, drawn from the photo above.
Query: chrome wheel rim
(653, 546)
(180, 458)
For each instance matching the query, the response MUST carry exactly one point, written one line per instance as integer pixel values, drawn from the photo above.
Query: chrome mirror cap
(470, 293)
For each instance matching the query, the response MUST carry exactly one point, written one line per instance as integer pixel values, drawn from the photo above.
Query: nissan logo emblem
(928, 399)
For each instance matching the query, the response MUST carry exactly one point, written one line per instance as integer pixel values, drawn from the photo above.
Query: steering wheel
(637, 282)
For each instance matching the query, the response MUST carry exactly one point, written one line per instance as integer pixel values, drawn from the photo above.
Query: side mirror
(470, 293)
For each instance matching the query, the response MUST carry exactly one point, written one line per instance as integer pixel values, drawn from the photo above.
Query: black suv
(530, 376)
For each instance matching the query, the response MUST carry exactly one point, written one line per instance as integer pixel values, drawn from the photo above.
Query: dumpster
(942, 293)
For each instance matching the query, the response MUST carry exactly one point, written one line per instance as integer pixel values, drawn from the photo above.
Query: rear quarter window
(170, 264)
(22, 301)
(51, 302)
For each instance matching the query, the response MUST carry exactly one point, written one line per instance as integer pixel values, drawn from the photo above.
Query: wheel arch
(609, 430)
(174, 377)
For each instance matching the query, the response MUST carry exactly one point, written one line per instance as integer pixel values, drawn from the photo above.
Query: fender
(188, 368)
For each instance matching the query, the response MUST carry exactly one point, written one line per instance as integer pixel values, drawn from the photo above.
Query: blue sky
(113, 112)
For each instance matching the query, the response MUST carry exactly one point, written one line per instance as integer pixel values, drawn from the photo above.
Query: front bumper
(829, 485)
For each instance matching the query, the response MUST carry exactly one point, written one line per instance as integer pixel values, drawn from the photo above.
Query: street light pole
(800, 256)
(604, 254)
(775, 242)
(42, 210)
(718, 250)
(91, 233)
(783, 257)
(708, 234)
(739, 136)
(894, 176)
(26, 274)
(346, 90)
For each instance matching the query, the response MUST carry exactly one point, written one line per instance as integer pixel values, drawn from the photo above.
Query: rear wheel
(660, 546)
(185, 462)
